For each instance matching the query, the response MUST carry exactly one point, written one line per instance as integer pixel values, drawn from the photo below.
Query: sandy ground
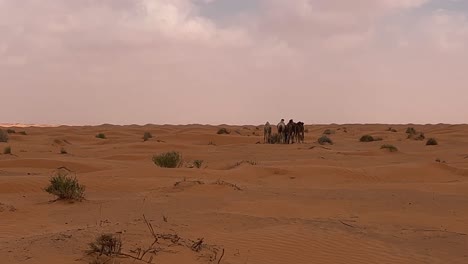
(304, 203)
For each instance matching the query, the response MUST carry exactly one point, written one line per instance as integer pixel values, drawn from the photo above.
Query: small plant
(198, 163)
(65, 187)
(328, 132)
(411, 131)
(7, 150)
(23, 133)
(432, 142)
(389, 147)
(101, 136)
(223, 131)
(147, 136)
(171, 159)
(324, 140)
(367, 138)
(11, 131)
(3, 136)
(106, 244)
(392, 130)
(63, 151)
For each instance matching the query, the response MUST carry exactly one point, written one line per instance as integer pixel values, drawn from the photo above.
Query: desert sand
(350, 202)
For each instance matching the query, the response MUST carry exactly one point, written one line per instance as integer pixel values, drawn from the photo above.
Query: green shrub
(224, 131)
(198, 163)
(367, 138)
(147, 136)
(65, 187)
(11, 131)
(432, 142)
(324, 140)
(389, 147)
(7, 150)
(3, 136)
(168, 160)
(101, 136)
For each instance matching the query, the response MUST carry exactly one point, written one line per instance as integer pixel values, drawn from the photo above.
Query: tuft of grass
(367, 138)
(63, 151)
(106, 244)
(3, 136)
(432, 142)
(324, 140)
(65, 186)
(101, 136)
(389, 147)
(7, 150)
(198, 163)
(223, 131)
(11, 131)
(147, 136)
(328, 132)
(171, 159)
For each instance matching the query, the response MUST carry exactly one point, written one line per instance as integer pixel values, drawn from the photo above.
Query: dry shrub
(147, 136)
(223, 131)
(389, 147)
(3, 136)
(65, 186)
(432, 142)
(106, 244)
(324, 140)
(171, 159)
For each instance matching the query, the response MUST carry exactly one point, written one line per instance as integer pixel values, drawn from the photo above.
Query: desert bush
(432, 142)
(223, 131)
(198, 163)
(3, 136)
(328, 132)
(106, 244)
(7, 150)
(65, 186)
(147, 136)
(411, 131)
(389, 147)
(324, 140)
(11, 131)
(369, 138)
(23, 133)
(101, 136)
(63, 151)
(171, 159)
(392, 130)
(417, 136)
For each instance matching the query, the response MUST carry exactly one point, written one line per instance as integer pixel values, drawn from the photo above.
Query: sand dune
(350, 202)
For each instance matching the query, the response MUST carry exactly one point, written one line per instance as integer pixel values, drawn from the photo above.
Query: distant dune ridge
(233, 199)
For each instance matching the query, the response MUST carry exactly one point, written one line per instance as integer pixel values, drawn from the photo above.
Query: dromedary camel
(266, 132)
(281, 131)
(290, 131)
(299, 132)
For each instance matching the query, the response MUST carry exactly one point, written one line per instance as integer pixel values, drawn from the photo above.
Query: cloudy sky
(233, 61)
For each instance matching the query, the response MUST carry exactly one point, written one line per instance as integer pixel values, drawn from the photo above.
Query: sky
(87, 62)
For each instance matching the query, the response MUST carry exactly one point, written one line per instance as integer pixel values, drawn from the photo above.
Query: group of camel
(287, 133)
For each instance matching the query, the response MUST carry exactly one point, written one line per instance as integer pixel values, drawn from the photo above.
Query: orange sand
(347, 203)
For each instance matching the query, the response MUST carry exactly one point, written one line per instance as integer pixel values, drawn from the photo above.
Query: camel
(266, 133)
(281, 131)
(290, 131)
(299, 132)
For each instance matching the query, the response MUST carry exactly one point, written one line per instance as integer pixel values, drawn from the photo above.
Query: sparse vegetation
(23, 133)
(432, 142)
(106, 244)
(101, 136)
(440, 161)
(171, 159)
(3, 136)
(198, 163)
(392, 130)
(65, 186)
(328, 132)
(147, 136)
(7, 150)
(410, 131)
(223, 131)
(324, 140)
(389, 147)
(11, 131)
(63, 151)
(369, 138)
